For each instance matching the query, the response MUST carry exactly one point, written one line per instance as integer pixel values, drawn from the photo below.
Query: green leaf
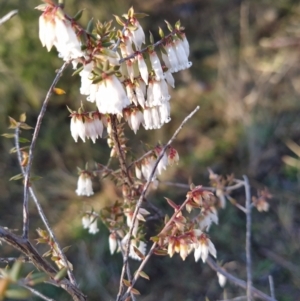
(169, 26)
(25, 126)
(9, 136)
(23, 117)
(177, 25)
(90, 26)
(77, 71)
(130, 12)
(12, 123)
(151, 37)
(144, 275)
(18, 293)
(15, 270)
(119, 20)
(78, 15)
(16, 177)
(126, 282)
(140, 15)
(23, 140)
(61, 274)
(161, 33)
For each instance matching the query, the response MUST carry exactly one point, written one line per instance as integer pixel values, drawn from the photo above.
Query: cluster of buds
(144, 168)
(54, 253)
(220, 183)
(89, 221)
(261, 202)
(183, 235)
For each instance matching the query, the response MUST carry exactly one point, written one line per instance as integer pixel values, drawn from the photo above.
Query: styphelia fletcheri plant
(129, 81)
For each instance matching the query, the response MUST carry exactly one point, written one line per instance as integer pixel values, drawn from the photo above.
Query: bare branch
(272, 289)
(8, 16)
(248, 237)
(26, 172)
(255, 292)
(35, 292)
(24, 246)
(139, 203)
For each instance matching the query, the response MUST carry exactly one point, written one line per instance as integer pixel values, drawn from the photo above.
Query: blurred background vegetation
(246, 78)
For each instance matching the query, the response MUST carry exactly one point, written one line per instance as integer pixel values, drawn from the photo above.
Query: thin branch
(272, 289)
(142, 196)
(8, 16)
(248, 237)
(24, 246)
(241, 298)
(35, 292)
(128, 269)
(32, 147)
(255, 292)
(26, 173)
(147, 257)
(13, 259)
(121, 154)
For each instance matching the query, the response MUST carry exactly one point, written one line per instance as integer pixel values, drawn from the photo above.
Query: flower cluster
(87, 125)
(84, 184)
(89, 221)
(144, 168)
(55, 29)
(121, 79)
(184, 235)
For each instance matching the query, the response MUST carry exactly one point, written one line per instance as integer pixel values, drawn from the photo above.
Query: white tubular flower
(164, 112)
(150, 96)
(155, 62)
(47, 30)
(203, 247)
(138, 35)
(128, 46)
(160, 92)
(67, 43)
(98, 125)
(89, 221)
(170, 79)
(181, 55)
(140, 87)
(185, 44)
(55, 29)
(86, 82)
(130, 93)
(175, 67)
(111, 97)
(143, 68)
(90, 130)
(209, 215)
(140, 245)
(148, 125)
(163, 163)
(135, 119)
(84, 185)
(147, 167)
(93, 229)
(166, 60)
(130, 69)
(138, 172)
(221, 279)
(86, 221)
(77, 127)
(113, 244)
(156, 123)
